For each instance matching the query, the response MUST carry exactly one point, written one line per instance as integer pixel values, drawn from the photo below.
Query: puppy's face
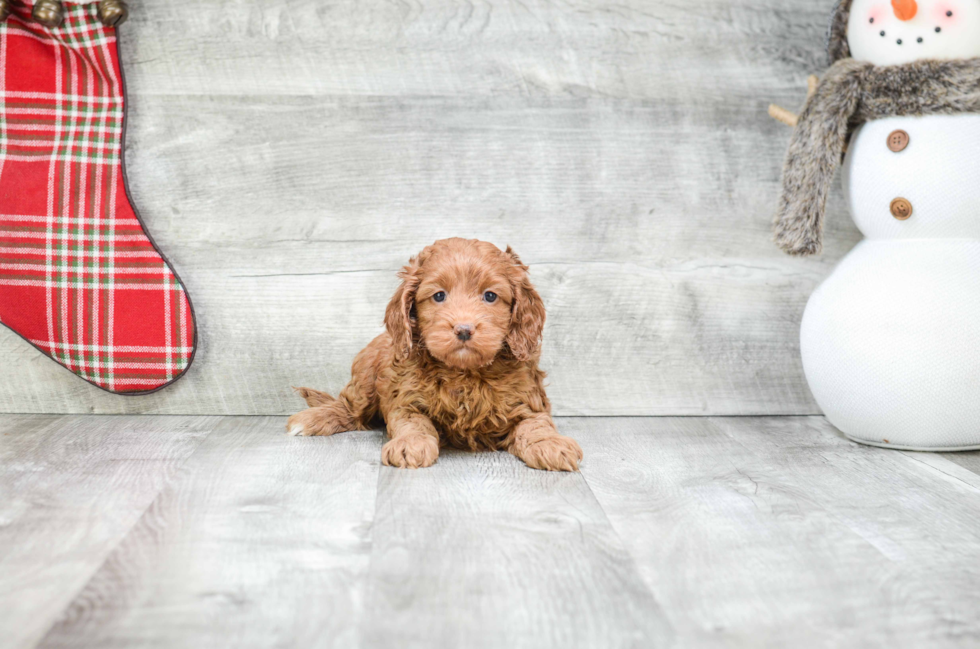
(464, 300)
(463, 308)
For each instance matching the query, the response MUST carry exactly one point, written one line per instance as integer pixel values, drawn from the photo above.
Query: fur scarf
(850, 94)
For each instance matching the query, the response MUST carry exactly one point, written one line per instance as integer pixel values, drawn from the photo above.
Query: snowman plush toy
(891, 340)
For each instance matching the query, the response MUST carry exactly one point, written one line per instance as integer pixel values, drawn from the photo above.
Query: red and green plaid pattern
(79, 279)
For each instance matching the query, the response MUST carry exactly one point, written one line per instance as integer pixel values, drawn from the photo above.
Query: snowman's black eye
(949, 14)
(872, 21)
(490, 297)
(939, 29)
(440, 296)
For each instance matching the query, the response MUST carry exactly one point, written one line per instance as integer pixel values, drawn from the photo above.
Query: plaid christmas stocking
(79, 277)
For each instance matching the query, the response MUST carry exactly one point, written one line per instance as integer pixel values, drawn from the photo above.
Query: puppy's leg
(414, 442)
(334, 417)
(539, 444)
(352, 410)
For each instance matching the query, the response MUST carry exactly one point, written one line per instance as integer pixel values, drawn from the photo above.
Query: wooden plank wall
(290, 156)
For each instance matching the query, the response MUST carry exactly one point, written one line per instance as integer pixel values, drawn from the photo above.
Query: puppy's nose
(463, 331)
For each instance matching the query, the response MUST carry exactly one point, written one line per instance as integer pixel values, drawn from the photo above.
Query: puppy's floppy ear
(527, 312)
(400, 314)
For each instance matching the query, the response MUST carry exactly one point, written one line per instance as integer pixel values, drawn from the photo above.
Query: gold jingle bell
(113, 13)
(49, 13)
(5, 9)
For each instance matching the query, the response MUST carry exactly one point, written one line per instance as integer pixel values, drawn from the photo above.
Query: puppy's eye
(490, 297)
(440, 296)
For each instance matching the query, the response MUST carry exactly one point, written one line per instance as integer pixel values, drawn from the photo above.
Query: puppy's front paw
(411, 451)
(318, 421)
(558, 453)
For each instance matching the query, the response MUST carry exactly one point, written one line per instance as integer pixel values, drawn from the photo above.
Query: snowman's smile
(901, 34)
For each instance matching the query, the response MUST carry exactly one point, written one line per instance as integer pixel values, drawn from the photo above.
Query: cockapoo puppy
(457, 366)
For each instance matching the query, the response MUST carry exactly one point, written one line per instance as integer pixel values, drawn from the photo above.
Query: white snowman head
(890, 32)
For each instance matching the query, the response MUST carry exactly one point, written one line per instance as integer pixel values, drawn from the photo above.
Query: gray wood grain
(480, 551)
(70, 489)
(689, 532)
(290, 156)
(780, 532)
(969, 461)
(261, 543)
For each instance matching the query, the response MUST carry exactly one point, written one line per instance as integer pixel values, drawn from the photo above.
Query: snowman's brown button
(901, 209)
(898, 140)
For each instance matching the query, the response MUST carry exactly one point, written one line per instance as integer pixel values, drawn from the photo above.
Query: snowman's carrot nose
(905, 9)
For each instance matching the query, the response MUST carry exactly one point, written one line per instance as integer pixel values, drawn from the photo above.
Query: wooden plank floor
(689, 532)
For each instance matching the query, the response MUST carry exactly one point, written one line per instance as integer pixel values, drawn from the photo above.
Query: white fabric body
(958, 36)
(938, 172)
(891, 340)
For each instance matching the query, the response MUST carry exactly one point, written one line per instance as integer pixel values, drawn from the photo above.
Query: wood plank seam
(178, 474)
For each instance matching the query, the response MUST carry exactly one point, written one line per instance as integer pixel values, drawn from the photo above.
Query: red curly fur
(434, 385)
